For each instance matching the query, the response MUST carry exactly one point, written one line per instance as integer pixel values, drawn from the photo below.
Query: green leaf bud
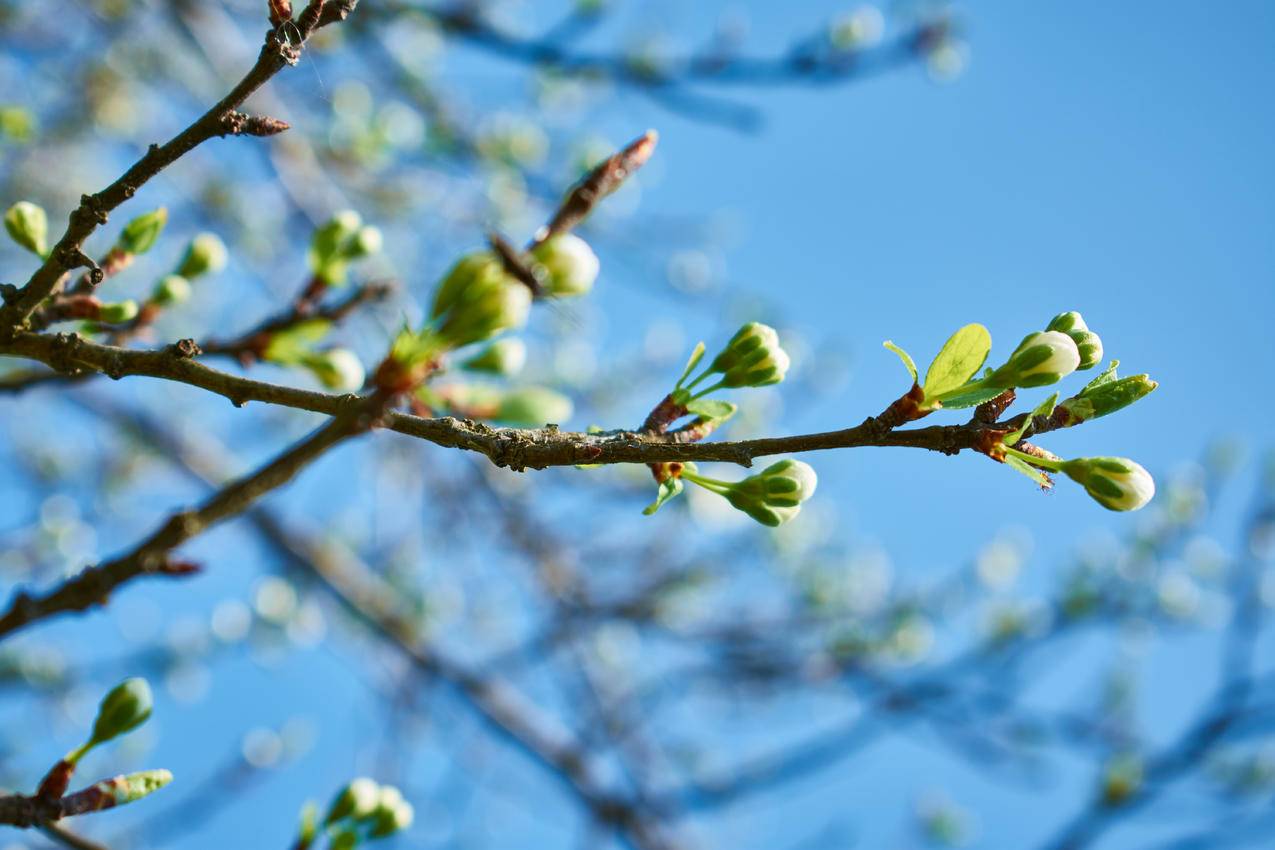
(1107, 398)
(338, 369)
(331, 245)
(1116, 483)
(28, 225)
(120, 311)
(141, 234)
(134, 786)
(1042, 358)
(533, 407)
(502, 357)
(171, 289)
(392, 813)
(774, 495)
(1067, 322)
(569, 265)
(1089, 346)
(122, 710)
(206, 254)
(477, 300)
(356, 800)
(752, 358)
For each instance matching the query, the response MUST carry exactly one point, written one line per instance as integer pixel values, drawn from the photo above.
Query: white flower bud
(1042, 358)
(752, 358)
(478, 300)
(1116, 483)
(171, 289)
(356, 800)
(774, 495)
(338, 369)
(502, 357)
(570, 266)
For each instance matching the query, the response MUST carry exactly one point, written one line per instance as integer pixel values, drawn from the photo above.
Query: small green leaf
(696, 356)
(971, 399)
(290, 346)
(1030, 471)
(908, 362)
(959, 360)
(1045, 408)
(668, 489)
(1105, 377)
(717, 411)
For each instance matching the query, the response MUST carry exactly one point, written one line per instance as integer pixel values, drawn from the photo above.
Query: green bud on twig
(1106, 398)
(28, 226)
(341, 239)
(772, 496)
(118, 312)
(206, 254)
(533, 407)
(1042, 358)
(338, 369)
(1067, 322)
(477, 300)
(171, 289)
(752, 358)
(569, 264)
(502, 357)
(356, 800)
(392, 813)
(141, 234)
(1088, 343)
(122, 710)
(1116, 483)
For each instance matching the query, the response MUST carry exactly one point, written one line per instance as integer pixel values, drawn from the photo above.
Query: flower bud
(1116, 483)
(392, 813)
(345, 839)
(1107, 398)
(171, 289)
(333, 243)
(367, 241)
(356, 800)
(141, 234)
(502, 357)
(29, 226)
(338, 369)
(569, 264)
(1121, 779)
(135, 786)
(1067, 322)
(774, 495)
(533, 407)
(752, 358)
(1089, 346)
(206, 254)
(122, 710)
(477, 300)
(120, 311)
(1042, 358)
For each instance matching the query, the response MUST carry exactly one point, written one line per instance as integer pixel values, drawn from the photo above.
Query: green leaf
(717, 411)
(668, 489)
(1045, 408)
(696, 356)
(1030, 471)
(971, 399)
(1105, 377)
(288, 347)
(959, 360)
(908, 362)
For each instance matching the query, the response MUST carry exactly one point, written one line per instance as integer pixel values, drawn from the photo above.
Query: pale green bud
(366, 241)
(477, 300)
(134, 786)
(1089, 346)
(28, 226)
(775, 495)
(330, 245)
(1067, 322)
(533, 406)
(569, 264)
(502, 357)
(338, 369)
(171, 289)
(126, 707)
(1116, 483)
(206, 254)
(392, 814)
(752, 358)
(1107, 398)
(120, 311)
(1042, 358)
(141, 234)
(356, 800)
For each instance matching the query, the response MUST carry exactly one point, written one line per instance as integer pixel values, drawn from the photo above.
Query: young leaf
(668, 489)
(718, 411)
(1105, 377)
(959, 360)
(1030, 471)
(971, 399)
(1045, 408)
(908, 362)
(696, 356)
